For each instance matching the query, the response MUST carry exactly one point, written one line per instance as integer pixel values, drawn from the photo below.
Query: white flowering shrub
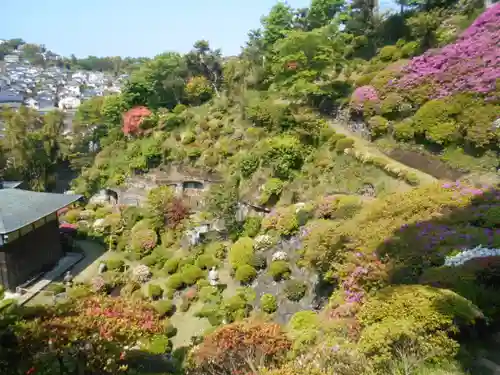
(141, 273)
(280, 255)
(99, 224)
(466, 255)
(263, 242)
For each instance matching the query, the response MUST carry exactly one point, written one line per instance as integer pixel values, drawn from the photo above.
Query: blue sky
(132, 27)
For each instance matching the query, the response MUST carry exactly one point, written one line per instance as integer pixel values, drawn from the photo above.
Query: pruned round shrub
(154, 291)
(168, 328)
(425, 318)
(378, 126)
(175, 282)
(217, 249)
(171, 265)
(403, 130)
(190, 274)
(268, 303)
(332, 142)
(272, 188)
(164, 308)
(283, 221)
(206, 261)
(343, 144)
(252, 226)
(295, 290)
(338, 207)
(245, 274)
(389, 53)
(150, 260)
(114, 264)
(144, 240)
(241, 252)
(279, 270)
(259, 261)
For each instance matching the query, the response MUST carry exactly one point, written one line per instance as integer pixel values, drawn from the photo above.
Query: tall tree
(203, 61)
(277, 23)
(322, 12)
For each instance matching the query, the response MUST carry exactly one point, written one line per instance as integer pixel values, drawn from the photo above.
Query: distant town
(47, 83)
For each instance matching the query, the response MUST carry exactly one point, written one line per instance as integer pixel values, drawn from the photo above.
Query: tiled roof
(19, 208)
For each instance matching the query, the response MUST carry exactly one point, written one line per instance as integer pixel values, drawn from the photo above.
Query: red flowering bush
(90, 332)
(133, 118)
(471, 64)
(245, 346)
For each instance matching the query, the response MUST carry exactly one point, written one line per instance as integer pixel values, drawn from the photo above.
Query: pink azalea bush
(471, 64)
(362, 95)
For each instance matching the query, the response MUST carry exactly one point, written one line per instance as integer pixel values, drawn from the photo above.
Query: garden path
(364, 145)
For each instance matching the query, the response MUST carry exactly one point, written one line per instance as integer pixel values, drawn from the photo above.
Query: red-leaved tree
(133, 118)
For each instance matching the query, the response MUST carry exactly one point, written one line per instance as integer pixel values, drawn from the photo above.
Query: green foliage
(114, 264)
(338, 207)
(198, 90)
(206, 261)
(343, 144)
(414, 316)
(279, 270)
(295, 290)
(190, 274)
(389, 53)
(241, 253)
(217, 249)
(252, 226)
(404, 130)
(272, 188)
(151, 260)
(245, 274)
(154, 291)
(378, 126)
(304, 328)
(248, 165)
(164, 308)
(171, 265)
(268, 303)
(175, 282)
(283, 155)
(283, 221)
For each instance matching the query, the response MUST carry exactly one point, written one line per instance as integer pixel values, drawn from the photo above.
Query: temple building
(30, 242)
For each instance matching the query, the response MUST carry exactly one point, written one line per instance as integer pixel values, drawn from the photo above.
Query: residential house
(69, 102)
(30, 242)
(11, 59)
(32, 103)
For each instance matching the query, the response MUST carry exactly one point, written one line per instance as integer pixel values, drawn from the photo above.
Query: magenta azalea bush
(362, 95)
(471, 64)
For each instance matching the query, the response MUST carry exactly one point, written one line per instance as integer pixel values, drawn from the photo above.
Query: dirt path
(366, 146)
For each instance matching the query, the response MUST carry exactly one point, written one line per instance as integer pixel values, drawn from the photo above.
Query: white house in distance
(69, 103)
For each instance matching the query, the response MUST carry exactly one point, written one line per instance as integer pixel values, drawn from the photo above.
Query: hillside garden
(348, 262)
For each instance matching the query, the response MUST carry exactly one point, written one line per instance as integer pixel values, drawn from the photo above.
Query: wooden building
(29, 233)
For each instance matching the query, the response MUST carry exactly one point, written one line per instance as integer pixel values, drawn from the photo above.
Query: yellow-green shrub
(416, 316)
(282, 220)
(404, 130)
(378, 125)
(241, 253)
